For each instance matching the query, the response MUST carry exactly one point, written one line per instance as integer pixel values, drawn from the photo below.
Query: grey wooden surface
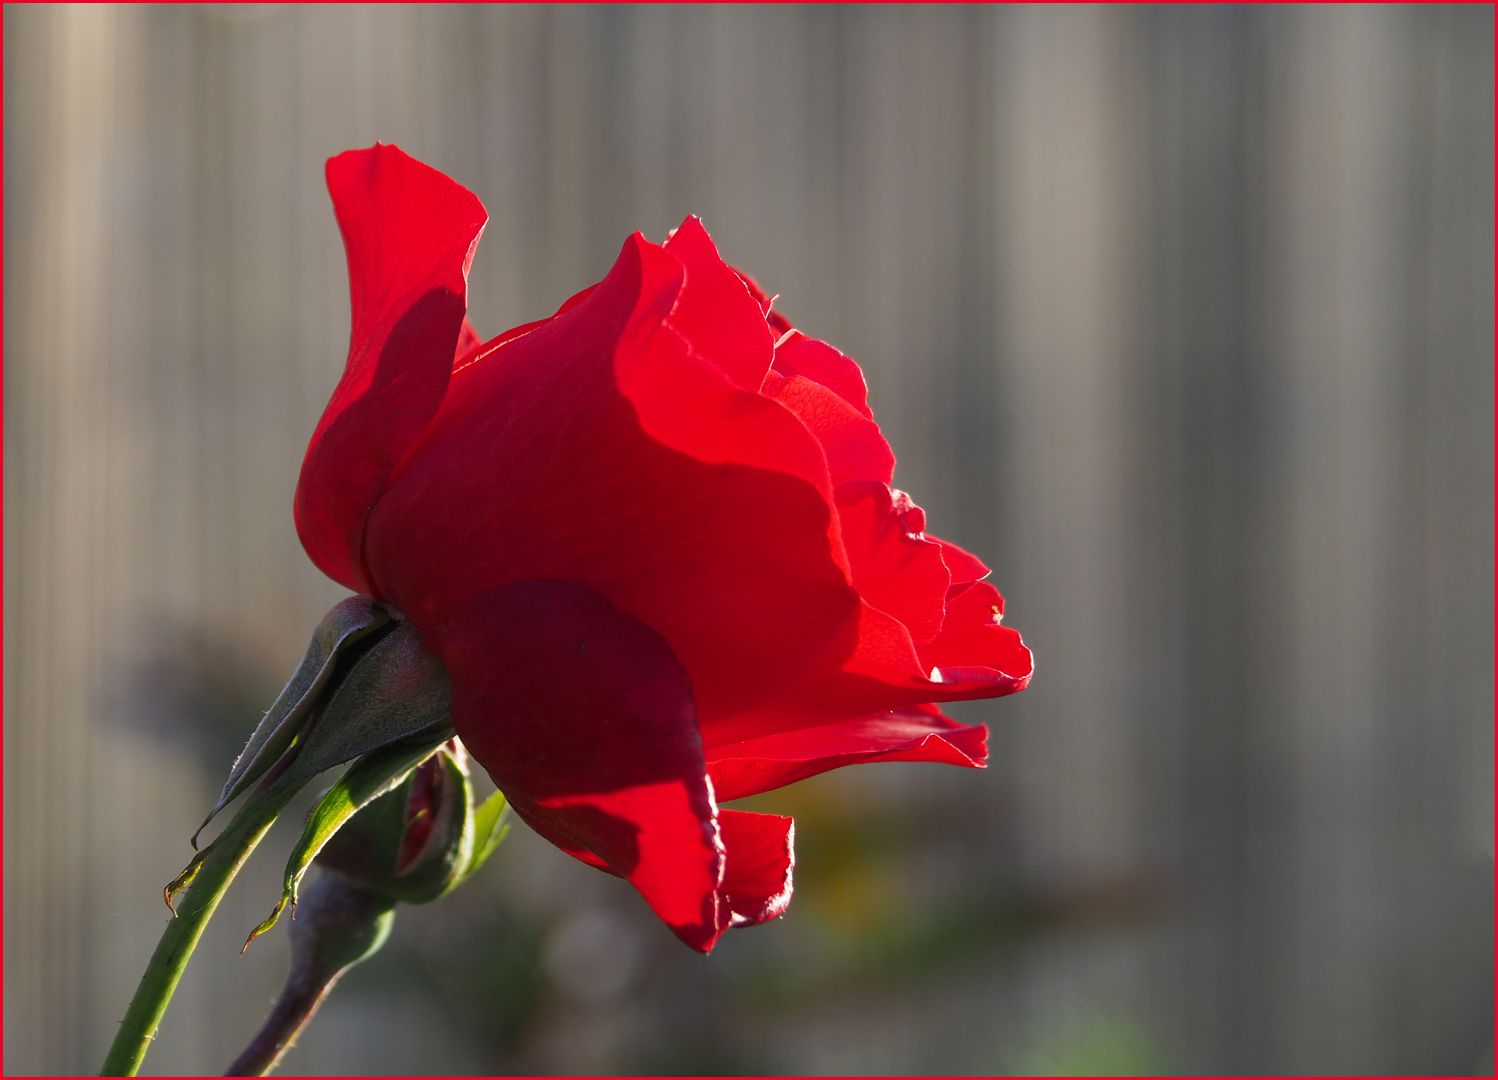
(1182, 317)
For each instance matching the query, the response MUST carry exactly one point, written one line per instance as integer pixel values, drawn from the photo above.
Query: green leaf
(370, 777)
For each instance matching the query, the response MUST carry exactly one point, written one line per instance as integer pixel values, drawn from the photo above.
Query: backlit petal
(912, 734)
(757, 876)
(409, 233)
(597, 448)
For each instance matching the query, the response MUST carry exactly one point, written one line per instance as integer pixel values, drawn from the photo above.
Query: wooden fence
(1182, 316)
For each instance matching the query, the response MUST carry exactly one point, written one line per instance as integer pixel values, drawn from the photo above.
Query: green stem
(342, 923)
(159, 982)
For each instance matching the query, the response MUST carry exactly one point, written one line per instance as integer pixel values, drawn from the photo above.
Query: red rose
(652, 538)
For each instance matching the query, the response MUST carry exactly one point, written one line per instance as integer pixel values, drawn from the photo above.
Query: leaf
(349, 621)
(369, 778)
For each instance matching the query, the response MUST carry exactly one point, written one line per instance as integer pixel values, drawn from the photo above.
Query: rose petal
(972, 639)
(409, 233)
(880, 670)
(691, 406)
(913, 734)
(716, 313)
(821, 363)
(492, 346)
(469, 344)
(964, 567)
(898, 572)
(779, 324)
(872, 668)
(757, 875)
(852, 443)
(584, 719)
(686, 503)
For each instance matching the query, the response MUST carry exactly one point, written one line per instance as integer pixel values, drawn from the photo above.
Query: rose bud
(651, 538)
(417, 842)
(411, 844)
(400, 821)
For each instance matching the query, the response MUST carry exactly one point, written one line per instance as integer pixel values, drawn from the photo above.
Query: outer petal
(410, 233)
(585, 721)
(488, 348)
(597, 448)
(757, 877)
(716, 313)
(874, 668)
(919, 733)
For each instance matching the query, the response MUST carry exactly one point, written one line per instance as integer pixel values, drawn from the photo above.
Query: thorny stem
(167, 963)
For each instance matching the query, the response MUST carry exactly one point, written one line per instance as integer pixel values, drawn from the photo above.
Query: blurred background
(1181, 317)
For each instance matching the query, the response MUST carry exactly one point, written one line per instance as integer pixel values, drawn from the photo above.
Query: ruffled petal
(725, 325)
(971, 634)
(821, 363)
(779, 324)
(691, 406)
(918, 733)
(584, 719)
(964, 566)
(974, 655)
(880, 670)
(872, 668)
(757, 875)
(598, 448)
(894, 568)
(409, 233)
(854, 447)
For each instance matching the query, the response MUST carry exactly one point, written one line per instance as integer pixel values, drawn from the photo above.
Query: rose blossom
(652, 538)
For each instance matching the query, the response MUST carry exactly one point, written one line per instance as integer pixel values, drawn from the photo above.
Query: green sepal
(395, 692)
(184, 879)
(349, 621)
(377, 847)
(372, 776)
(273, 792)
(490, 827)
